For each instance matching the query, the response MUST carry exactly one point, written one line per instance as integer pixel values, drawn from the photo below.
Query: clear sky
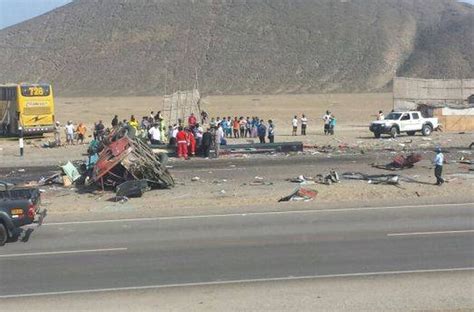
(16, 11)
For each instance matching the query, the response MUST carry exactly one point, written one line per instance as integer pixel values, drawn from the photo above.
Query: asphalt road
(70, 257)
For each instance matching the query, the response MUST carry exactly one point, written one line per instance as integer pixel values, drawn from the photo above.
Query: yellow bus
(30, 106)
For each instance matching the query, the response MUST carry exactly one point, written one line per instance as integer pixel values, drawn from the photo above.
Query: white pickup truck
(409, 122)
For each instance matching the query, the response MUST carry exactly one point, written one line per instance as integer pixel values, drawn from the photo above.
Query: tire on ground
(377, 135)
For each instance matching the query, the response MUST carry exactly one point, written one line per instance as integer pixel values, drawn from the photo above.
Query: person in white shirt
(294, 123)
(69, 128)
(327, 122)
(155, 134)
(304, 124)
(438, 162)
(219, 135)
(380, 116)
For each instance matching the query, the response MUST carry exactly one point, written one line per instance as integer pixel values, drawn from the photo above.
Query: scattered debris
(401, 162)
(21, 170)
(130, 189)
(71, 171)
(53, 179)
(195, 179)
(219, 181)
(66, 181)
(300, 179)
(332, 177)
(390, 179)
(259, 181)
(300, 194)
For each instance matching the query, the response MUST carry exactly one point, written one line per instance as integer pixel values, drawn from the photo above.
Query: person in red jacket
(192, 121)
(191, 142)
(182, 143)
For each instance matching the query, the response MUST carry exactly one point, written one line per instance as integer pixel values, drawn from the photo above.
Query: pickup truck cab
(19, 206)
(408, 122)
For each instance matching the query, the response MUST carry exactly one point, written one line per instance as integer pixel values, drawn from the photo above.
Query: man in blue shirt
(438, 162)
(262, 131)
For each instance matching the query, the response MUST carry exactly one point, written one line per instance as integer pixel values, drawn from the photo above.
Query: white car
(399, 122)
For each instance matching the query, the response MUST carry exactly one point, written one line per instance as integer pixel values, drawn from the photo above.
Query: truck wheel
(411, 133)
(3, 234)
(393, 132)
(426, 130)
(377, 135)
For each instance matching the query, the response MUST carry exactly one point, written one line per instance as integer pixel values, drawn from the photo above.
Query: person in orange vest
(81, 133)
(181, 138)
(191, 142)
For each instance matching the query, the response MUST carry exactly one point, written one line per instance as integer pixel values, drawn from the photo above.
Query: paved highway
(73, 257)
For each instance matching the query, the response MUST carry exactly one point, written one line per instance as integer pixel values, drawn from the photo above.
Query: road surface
(82, 257)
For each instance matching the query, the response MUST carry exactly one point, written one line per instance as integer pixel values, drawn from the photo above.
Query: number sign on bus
(35, 90)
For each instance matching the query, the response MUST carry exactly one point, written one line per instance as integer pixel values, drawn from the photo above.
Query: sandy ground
(414, 292)
(223, 190)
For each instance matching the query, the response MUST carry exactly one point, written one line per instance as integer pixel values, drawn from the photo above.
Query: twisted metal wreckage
(124, 158)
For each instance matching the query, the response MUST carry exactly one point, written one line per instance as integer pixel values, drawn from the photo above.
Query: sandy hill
(143, 47)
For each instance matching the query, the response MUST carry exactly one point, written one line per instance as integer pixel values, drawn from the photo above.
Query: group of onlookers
(73, 134)
(241, 127)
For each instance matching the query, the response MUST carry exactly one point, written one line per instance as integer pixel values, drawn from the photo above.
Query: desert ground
(229, 182)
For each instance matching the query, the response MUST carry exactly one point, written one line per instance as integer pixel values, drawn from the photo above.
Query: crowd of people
(191, 137)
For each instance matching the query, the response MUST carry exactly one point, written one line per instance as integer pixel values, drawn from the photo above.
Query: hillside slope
(141, 47)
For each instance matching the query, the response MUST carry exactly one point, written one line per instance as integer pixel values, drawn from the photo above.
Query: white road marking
(46, 253)
(431, 233)
(250, 214)
(242, 281)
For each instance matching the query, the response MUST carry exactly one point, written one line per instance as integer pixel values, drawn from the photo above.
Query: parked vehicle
(19, 206)
(399, 122)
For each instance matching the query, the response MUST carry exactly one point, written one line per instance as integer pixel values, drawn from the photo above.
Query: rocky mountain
(149, 47)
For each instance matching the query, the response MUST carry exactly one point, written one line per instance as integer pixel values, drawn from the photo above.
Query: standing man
(380, 116)
(304, 123)
(248, 127)
(332, 124)
(57, 133)
(271, 131)
(100, 130)
(438, 162)
(133, 123)
(262, 131)
(115, 122)
(192, 121)
(181, 139)
(235, 128)
(294, 123)
(81, 133)
(242, 124)
(155, 134)
(69, 133)
(206, 143)
(327, 121)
